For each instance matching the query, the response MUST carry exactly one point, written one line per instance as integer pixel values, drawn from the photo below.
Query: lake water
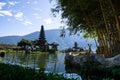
(50, 62)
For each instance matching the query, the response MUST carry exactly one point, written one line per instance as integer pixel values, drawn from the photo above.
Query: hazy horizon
(27, 33)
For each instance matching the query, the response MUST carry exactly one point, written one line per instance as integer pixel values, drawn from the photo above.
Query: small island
(40, 44)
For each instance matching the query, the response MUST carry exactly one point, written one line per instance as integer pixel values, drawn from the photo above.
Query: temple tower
(43, 44)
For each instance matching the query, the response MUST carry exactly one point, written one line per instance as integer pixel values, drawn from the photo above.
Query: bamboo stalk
(88, 21)
(116, 19)
(106, 25)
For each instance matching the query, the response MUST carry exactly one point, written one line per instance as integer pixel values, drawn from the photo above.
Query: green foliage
(98, 19)
(108, 79)
(36, 42)
(75, 13)
(24, 42)
(10, 51)
(14, 72)
(9, 72)
(93, 70)
(52, 76)
(84, 15)
(115, 70)
(3, 51)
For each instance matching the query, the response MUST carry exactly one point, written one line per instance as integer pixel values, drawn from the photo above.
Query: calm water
(51, 62)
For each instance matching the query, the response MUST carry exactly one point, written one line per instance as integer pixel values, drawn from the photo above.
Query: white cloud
(27, 23)
(33, 2)
(48, 21)
(2, 4)
(5, 12)
(19, 16)
(1, 15)
(12, 3)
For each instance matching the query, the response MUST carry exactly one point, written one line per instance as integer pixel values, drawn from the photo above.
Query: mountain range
(52, 36)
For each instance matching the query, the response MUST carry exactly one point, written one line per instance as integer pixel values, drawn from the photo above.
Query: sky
(21, 17)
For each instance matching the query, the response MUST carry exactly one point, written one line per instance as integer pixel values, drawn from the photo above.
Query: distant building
(76, 48)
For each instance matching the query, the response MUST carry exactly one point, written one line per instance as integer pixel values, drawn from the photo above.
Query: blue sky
(21, 17)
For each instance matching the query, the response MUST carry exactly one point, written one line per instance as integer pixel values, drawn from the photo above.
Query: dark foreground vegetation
(14, 72)
(94, 71)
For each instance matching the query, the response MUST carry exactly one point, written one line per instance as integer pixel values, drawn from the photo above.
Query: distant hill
(51, 36)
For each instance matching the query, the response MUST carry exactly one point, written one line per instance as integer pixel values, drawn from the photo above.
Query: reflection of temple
(43, 44)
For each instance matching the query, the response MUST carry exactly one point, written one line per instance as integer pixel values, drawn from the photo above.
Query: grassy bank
(23, 51)
(14, 72)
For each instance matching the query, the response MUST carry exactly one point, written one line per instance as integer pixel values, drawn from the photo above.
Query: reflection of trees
(52, 57)
(51, 63)
(16, 58)
(42, 59)
(34, 60)
(23, 58)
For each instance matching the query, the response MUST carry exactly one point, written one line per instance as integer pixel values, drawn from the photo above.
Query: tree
(98, 19)
(23, 43)
(36, 42)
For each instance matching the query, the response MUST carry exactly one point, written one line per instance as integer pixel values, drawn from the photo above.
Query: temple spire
(42, 40)
(42, 33)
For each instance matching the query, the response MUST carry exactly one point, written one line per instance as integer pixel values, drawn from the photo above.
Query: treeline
(7, 46)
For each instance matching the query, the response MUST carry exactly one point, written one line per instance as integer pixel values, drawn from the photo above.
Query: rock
(113, 60)
(2, 54)
(99, 59)
(84, 58)
(80, 60)
(116, 60)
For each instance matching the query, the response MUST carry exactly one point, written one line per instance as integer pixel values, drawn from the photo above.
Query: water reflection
(50, 62)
